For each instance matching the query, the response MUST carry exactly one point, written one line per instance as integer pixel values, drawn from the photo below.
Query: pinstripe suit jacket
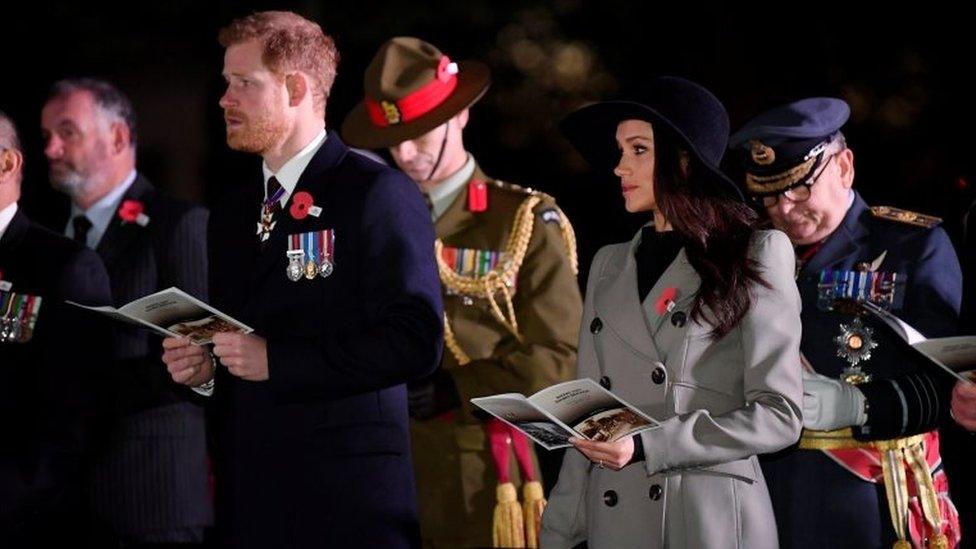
(153, 476)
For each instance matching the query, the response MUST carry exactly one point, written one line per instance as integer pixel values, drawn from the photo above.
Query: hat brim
(760, 185)
(358, 130)
(591, 130)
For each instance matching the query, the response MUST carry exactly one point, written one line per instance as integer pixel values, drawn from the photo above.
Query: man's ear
(11, 162)
(462, 118)
(845, 161)
(121, 137)
(297, 85)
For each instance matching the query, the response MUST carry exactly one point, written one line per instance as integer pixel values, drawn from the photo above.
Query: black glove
(433, 395)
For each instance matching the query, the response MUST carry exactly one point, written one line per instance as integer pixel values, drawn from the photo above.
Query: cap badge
(762, 154)
(391, 112)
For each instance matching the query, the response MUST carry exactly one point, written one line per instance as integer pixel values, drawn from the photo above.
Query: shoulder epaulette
(512, 187)
(904, 216)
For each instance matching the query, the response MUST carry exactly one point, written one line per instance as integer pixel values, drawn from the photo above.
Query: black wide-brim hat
(687, 112)
(403, 68)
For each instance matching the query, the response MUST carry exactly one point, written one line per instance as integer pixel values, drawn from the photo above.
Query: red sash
(866, 464)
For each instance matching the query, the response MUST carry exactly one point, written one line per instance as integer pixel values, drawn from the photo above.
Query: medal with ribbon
(884, 289)
(311, 254)
(468, 262)
(845, 291)
(18, 315)
(268, 209)
(327, 246)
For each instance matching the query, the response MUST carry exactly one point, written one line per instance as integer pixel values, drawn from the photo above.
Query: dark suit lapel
(119, 235)
(14, 234)
(849, 239)
(313, 180)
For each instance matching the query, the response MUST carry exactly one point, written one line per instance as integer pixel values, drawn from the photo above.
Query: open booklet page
(175, 313)
(517, 411)
(955, 355)
(580, 408)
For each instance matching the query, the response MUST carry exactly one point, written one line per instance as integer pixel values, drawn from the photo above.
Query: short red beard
(255, 135)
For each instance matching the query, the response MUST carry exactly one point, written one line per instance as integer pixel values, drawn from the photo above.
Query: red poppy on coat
(666, 302)
(132, 211)
(300, 204)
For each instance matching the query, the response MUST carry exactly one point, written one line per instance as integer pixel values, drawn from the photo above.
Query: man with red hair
(340, 286)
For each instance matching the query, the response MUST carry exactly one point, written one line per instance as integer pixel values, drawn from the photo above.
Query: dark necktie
(274, 194)
(82, 225)
(429, 202)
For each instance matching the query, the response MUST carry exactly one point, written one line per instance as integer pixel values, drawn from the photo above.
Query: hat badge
(391, 112)
(762, 154)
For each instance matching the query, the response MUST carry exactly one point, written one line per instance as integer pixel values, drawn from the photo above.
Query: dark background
(904, 71)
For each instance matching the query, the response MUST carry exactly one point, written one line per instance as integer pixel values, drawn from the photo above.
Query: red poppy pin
(131, 211)
(302, 204)
(665, 303)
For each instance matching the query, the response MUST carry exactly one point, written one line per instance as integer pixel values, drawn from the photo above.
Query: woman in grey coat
(697, 322)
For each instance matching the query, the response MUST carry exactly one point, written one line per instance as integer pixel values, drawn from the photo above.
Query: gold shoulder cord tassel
(452, 344)
(927, 497)
(896, 455)
(495, 281)
(896, 489)
(508, 529)
(513, 525)
(533, 504)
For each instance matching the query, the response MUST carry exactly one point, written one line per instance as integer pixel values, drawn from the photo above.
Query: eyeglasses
(798, 193)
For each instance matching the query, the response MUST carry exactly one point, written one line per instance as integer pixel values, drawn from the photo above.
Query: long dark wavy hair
(715, 229)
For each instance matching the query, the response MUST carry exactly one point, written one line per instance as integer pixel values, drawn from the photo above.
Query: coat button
(605, 382)
(596, 325)
(658, 375)
(610, 498)
(655, 492)
(679, 318)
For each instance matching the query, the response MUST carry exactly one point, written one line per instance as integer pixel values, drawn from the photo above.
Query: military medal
(311, 254)
(267, 223)
(854, 344)
(8, 320)
(18, 314)
(884, 289)
(311, 269)
(327, 245)
(5, 285)
(311, 244)
(471, 263)
(295, 262)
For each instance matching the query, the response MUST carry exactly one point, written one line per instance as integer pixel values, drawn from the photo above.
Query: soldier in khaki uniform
(507, 261)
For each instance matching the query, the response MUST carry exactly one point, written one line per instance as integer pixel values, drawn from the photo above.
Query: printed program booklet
(956, 355)
(580, 408)
(173, 312)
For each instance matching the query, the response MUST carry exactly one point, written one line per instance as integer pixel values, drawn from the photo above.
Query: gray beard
(72, 184)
